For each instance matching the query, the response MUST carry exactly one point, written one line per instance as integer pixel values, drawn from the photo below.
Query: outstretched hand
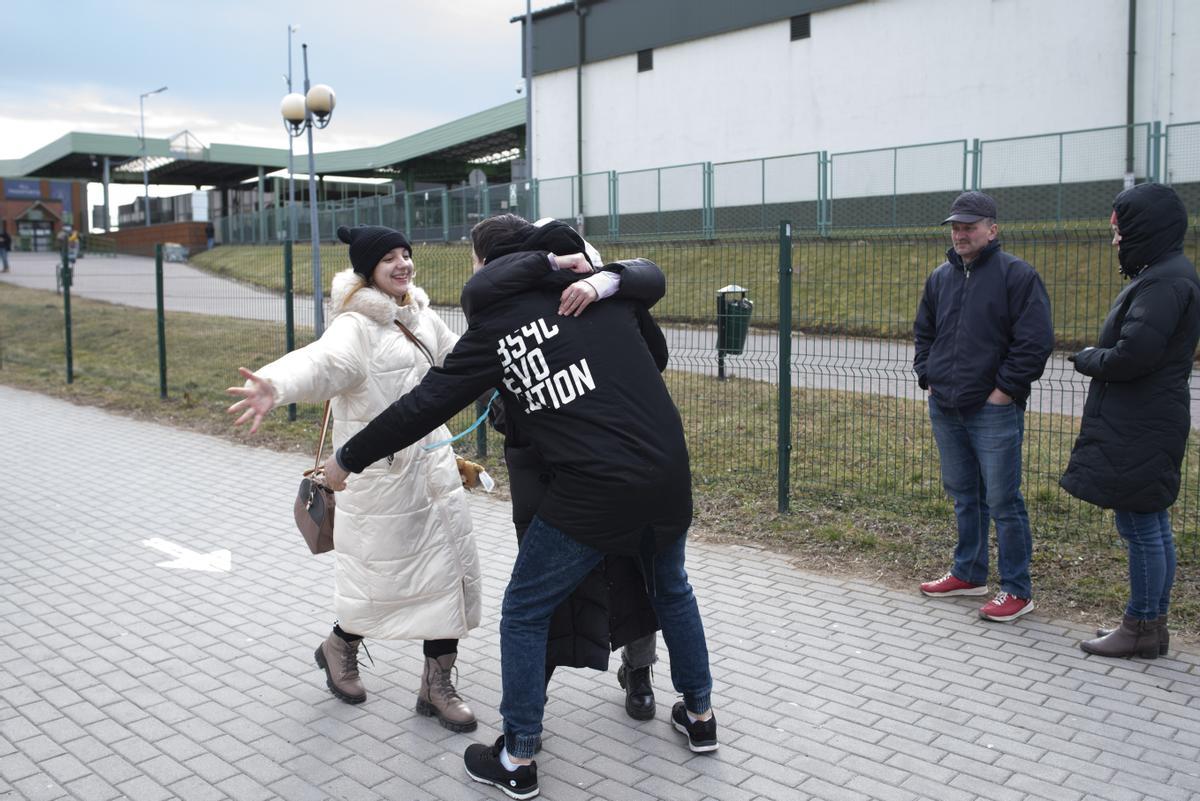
(256, 400)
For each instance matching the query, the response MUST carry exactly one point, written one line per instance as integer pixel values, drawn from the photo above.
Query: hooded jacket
(1137, 415)
(981, 327)
(405, 560)
(610, 607)
(590, 396)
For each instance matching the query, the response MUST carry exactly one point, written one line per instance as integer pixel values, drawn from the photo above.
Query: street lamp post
(291, 166)
(145, 166)
(301, 113)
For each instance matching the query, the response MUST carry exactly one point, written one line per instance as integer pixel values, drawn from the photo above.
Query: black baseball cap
(970, 207)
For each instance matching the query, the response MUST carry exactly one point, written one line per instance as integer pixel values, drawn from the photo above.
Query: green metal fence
(1065, 176)
(1057, 178)
(818, 409)
(1182, 164)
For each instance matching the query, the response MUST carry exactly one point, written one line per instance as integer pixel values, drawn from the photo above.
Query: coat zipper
(962, 297)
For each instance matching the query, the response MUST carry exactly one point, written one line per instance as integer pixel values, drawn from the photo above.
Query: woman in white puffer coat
(406, 564)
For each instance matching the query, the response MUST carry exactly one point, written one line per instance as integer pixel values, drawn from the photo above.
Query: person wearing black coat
(1137, 415)
(609, 609)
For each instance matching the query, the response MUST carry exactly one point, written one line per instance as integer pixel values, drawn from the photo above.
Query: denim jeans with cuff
(548, 567)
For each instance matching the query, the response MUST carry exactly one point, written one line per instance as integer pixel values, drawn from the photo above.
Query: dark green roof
(81, 155)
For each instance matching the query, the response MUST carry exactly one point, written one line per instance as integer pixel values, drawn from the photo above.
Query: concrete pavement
(136, 662)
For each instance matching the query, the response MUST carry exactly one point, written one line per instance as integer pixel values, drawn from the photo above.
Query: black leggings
(432, 648)
(435, 648)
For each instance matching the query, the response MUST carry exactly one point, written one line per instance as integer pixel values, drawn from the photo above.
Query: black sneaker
(702, 735)
(483, 765)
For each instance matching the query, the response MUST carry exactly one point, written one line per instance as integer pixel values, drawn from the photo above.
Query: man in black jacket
(591, 398)
(983, 335)
(609, 609)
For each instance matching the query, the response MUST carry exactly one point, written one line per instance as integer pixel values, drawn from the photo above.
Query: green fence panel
(1182, 166)
(1066, 176)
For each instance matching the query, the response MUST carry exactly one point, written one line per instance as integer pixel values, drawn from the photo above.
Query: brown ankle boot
(1134, 638)
(439, 699)
(340, 661)
(1164, 635)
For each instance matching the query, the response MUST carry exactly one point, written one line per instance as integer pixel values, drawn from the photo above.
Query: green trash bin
(733, 323)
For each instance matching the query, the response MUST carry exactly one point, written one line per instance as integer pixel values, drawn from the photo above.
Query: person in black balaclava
(1137, 415)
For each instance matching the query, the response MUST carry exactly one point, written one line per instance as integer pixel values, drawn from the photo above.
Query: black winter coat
(591, 399)
(1137, 415)
(982, 328)
(610, 607)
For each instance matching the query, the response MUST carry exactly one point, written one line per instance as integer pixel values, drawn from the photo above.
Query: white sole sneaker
(1005, 618)
(980, 590)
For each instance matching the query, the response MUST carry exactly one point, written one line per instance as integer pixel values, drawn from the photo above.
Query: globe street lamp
(145, 167)
(303, 112)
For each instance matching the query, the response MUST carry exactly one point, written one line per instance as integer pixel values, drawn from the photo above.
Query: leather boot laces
(350, 658)
(442, 684)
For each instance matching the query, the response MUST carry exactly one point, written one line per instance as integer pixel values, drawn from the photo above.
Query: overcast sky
(397, 66)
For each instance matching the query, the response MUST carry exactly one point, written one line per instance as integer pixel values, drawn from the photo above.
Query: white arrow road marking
(186, 559)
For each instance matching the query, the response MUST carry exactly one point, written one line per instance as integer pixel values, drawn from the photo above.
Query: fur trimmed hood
(373, 304)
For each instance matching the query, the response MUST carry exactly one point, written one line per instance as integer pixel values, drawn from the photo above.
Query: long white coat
(406, 563)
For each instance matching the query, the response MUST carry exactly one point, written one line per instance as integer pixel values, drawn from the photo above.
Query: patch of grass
(866, 498)
(857, 283)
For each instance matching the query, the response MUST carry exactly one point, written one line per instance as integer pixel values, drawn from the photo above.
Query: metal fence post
(289, 311)
(161, 321)
(784, 444)
(445, 216)
(1156, 153)
(481, 431)
(1058, 208)
(66, 288)
(824, 167)
(976, 164)
(408, 216)
(707, 216)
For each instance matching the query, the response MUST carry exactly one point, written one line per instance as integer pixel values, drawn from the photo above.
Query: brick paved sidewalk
(122, 678)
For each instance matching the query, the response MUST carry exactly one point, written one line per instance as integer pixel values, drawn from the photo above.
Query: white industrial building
(665, 82)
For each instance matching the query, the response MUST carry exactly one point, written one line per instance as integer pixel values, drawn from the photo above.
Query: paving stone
(144, 686)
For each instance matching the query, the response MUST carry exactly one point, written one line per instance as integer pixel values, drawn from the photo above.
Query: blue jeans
(549, 566)
(1151, 561)
(981, 471)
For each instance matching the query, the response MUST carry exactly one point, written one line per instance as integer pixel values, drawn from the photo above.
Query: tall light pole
(291, 166)
(529, 91)
(145, 166)
(313, 109)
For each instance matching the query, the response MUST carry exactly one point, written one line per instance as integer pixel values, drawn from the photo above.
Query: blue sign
(18, 190)
(61, 191)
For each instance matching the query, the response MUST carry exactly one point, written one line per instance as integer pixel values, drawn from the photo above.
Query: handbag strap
(412, 338)
(321, 441)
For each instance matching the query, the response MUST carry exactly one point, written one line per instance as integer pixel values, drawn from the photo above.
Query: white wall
(878, 74)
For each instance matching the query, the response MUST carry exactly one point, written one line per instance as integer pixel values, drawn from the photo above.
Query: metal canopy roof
(428, 155)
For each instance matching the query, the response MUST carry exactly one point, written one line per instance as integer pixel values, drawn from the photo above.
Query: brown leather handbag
(314, 504)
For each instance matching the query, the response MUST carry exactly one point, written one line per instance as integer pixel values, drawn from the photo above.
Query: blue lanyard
(474, 426)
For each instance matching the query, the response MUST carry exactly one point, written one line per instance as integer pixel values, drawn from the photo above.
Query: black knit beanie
(369, 244)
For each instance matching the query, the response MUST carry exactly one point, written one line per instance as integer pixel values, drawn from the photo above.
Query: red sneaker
(1005, 607)
(948, 585)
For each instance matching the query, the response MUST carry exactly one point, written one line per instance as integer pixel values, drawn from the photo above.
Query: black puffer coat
(1137, 415)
